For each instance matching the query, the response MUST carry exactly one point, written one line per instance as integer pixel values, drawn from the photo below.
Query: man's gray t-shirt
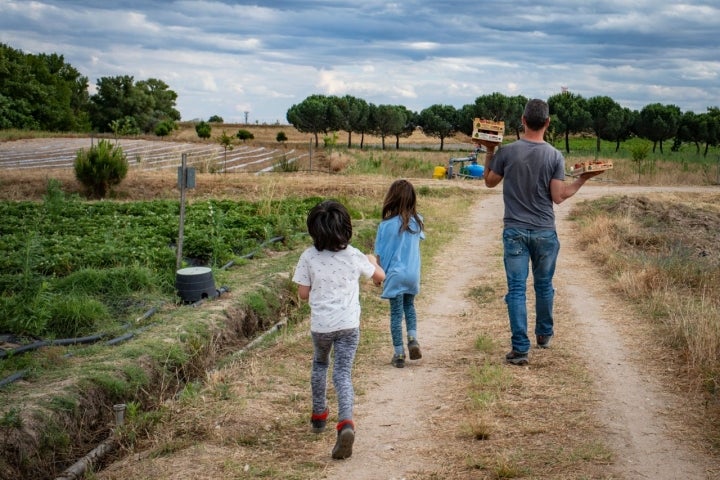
(527, 168)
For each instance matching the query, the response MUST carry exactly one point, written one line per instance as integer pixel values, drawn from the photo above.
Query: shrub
(281, 137)
(215, 119)
(243, 134)
(100, 168)
(165, 128)
(203, 129)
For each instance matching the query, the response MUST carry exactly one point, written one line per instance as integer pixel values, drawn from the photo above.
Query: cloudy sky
(261, 57)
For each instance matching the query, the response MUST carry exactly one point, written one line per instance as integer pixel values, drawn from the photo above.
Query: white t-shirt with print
(334, 289)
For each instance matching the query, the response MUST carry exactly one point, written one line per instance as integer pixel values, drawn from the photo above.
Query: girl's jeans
(402, 305)
(344, 344)
(540, 249)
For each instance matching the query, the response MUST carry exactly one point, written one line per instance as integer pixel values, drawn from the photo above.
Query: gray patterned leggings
(344, 344)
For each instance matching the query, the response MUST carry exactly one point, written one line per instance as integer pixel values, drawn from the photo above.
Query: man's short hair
(536, 113)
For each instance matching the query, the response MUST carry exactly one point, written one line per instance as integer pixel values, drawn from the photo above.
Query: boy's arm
(304, 292)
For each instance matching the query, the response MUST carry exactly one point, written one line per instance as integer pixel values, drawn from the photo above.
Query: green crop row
(68, 266)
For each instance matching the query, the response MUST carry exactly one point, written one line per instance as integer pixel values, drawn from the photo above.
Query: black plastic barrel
(195, 283)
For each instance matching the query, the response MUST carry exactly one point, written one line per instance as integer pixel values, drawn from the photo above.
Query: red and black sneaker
(319, 420)
(345, 440)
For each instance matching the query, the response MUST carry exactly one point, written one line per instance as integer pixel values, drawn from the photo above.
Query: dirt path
(401, 410)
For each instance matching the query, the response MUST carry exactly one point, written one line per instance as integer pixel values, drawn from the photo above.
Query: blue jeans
(540, 249)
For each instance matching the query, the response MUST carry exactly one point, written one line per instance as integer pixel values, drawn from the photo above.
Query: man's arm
(561, 191)
(492, 179)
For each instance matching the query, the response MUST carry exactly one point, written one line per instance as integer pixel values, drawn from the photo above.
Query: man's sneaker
(398, 360)
(345, 439)
(543, 341)
(517, 358)
(319, 420)
(414, 347)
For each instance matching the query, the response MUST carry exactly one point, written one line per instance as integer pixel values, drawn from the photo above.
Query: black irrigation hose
(252, 254)
(68, 341)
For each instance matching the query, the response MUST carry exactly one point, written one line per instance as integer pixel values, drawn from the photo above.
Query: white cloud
(231, 57)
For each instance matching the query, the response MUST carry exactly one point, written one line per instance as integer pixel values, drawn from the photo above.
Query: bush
(203, 129)
(281, 137)
(165, 128)
(243, 135)
(100, 168)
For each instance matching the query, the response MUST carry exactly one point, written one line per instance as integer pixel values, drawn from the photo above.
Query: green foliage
(203, 129)
(125, 126)
(165, 128)
(281, 137)
(100, 168)
(41, 92)
(441, 121)
(76, 266)
(244, 135)
(75, 315)
(216, 119)
(285, 165)
(147, 102)
(11, 418)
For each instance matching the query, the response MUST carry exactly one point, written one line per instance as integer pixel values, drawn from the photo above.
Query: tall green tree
(386, 120)
(440, 121)
(351, 115)
(410, 125)
(311, 116)
(148, 101)
(41, 92)
(619, 126)
(602, 114)
(658, 122)
(571, 113)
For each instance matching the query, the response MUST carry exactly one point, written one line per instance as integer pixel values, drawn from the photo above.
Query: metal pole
(181, 232)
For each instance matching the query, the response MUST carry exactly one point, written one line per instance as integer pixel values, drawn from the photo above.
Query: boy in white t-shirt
(327, 275)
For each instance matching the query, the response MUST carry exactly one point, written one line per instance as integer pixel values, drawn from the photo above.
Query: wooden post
(311, 154)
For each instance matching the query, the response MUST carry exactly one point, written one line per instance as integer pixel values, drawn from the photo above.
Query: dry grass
(664, 254)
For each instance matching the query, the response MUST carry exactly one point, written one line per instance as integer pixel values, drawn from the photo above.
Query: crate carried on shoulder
(488, 130)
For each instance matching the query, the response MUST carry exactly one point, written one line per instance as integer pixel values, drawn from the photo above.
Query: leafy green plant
(203, 129)
(75, 315)
(281, 137)
(165, 128)
(101, 167)
(244, 135)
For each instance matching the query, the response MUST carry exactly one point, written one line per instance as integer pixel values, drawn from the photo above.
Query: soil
(649, 425)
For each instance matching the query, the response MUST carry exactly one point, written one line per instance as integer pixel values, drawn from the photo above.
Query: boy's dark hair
(329, 226)
(536, 113)
(402, 200)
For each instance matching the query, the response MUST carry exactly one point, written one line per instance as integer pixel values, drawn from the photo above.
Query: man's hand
(490, 146)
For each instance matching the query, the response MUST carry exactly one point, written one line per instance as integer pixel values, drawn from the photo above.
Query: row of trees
(43, 92)
(571, 114)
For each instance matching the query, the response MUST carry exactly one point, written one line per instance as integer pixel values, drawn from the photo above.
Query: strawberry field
(68, 266)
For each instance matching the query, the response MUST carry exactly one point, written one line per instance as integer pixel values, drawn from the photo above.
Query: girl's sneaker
(345, 439)
(319, 420)
(414, 348)
(398, 360)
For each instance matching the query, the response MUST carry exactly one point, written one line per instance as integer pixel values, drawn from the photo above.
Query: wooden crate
(596, 166)
(488, 130)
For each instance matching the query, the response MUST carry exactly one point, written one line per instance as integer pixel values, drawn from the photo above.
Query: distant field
(147, 154)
